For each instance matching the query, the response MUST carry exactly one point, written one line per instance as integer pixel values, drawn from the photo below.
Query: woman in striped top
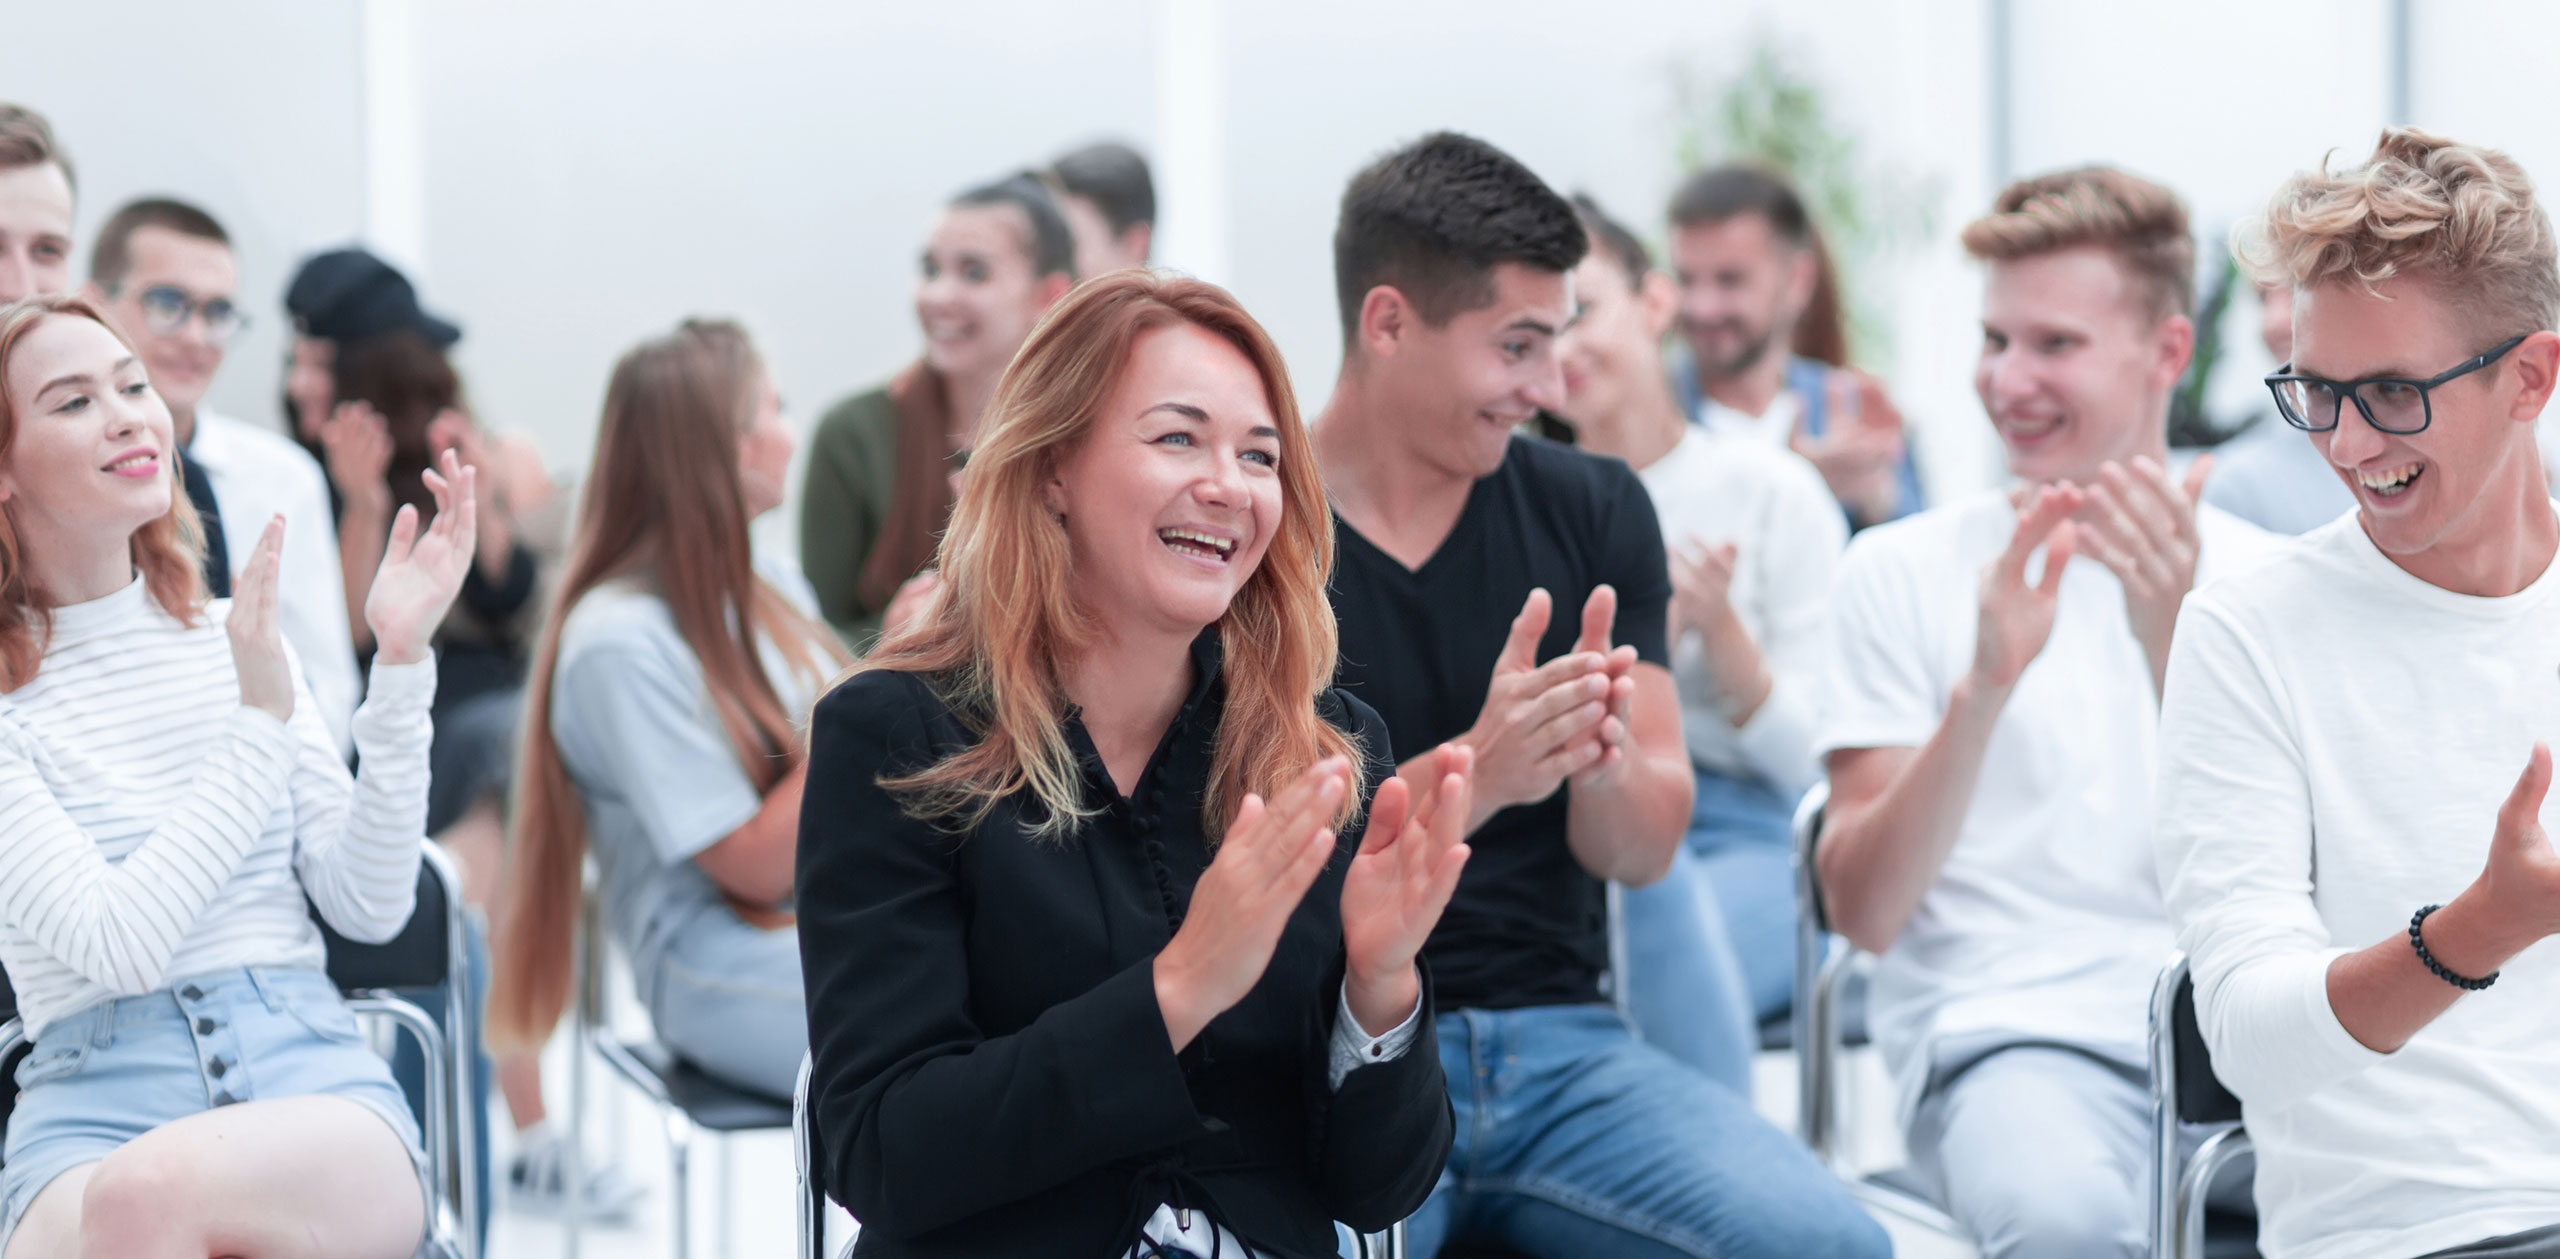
(168, 796)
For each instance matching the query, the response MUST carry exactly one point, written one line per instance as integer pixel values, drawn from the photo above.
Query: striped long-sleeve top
(153, 827)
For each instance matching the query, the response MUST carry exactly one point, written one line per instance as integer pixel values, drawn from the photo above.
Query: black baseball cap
(349, 294)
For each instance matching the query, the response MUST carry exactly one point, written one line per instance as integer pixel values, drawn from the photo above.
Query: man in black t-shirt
(1574, 1138)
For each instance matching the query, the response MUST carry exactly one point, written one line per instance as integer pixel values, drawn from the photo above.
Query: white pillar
(1190, 157)
(395, 136)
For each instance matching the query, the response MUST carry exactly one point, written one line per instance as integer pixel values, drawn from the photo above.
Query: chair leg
(725, 1211)
(680, 1161)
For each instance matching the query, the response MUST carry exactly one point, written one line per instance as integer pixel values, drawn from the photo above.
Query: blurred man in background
(1742, 248)
(165, 271)
(36, 200)
(1109, 198)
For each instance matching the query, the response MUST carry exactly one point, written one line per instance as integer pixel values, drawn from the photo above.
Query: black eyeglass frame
(2346, 390)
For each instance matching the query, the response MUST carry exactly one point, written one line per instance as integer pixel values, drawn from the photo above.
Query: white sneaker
(538, 1179)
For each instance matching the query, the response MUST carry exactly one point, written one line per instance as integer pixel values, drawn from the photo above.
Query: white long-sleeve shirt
(152, 827)
(256, 475)
(2335, 742)
(1787, 535)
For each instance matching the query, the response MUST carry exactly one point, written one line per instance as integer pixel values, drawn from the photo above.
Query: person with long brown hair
(878, 489)
(1110, 948)
(661, 723)
(172, 810)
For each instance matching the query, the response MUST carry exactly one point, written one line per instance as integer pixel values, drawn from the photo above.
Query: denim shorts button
(224, 1098)
(192, 993)
(205, 1027)
(217, 1067)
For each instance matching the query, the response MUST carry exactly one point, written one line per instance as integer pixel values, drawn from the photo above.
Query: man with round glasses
(164, 269)
(2355, 740)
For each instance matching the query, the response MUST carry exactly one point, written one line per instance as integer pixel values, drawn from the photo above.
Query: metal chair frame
(453, 1208)
(1818, 1030)
(593, 1033)
(2179, 1188)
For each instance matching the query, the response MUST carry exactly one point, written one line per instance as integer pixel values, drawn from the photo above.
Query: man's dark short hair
(1435, 217)
(1114, 177)
(26, 139)
(111, 258)
(1611, 237)
(1052, 245)
(1726, 192)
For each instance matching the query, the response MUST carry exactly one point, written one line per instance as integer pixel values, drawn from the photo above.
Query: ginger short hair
(2462, 219)
(2142, 224)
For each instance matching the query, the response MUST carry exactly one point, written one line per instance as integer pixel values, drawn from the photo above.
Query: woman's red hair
(1007, 619)
(169, 551)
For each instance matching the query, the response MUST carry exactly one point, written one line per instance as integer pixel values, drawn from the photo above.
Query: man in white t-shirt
(1988, 726)
(2343, 733)
(165, 270)
(1752, 536)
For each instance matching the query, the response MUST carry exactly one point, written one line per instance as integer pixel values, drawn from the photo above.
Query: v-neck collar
(1422, 574)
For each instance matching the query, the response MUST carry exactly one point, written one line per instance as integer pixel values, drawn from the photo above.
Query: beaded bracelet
(2419, 943)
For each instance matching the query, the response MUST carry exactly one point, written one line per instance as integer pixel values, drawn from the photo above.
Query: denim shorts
(107, 1074)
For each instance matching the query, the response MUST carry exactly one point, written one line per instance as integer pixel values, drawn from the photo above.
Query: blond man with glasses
(2354, 746)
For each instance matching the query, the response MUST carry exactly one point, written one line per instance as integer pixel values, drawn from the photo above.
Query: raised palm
(423, 570)
(1408, 864)
(2017, 617)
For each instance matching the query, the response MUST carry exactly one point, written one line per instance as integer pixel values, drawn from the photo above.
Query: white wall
(588, 172)
(249, 109)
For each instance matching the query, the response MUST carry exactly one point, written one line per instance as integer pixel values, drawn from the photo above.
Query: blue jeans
(1742, 831)
(1577, 1141)
(1685, 990)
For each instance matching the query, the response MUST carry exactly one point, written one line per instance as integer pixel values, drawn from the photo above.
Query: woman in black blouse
(1109, 949)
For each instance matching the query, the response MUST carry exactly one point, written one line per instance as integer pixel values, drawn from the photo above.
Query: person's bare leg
(51, 1227)
(478, 843)
(292, 1178)
(520, 1079)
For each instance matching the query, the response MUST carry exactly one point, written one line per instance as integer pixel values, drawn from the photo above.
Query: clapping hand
(2016, 618)
(422, 572)
(1702, 584)
(1614, 733)
(1538, 720)
(1860, 452)
(357, 441)
(2522, 880)
(1407, 868)
(2142, 526)
(257, 636)
(1269, 858)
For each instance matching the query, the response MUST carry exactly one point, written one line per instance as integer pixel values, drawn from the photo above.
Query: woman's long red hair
(169, 551)
(1007, 620)
(665, 498)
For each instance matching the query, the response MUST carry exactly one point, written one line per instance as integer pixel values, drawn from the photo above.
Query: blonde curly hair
(2462, 219)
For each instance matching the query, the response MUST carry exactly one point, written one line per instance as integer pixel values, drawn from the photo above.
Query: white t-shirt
(1788, 535)
(2337, 740)
(1774, 428)
(256, 475)
(2046, 922)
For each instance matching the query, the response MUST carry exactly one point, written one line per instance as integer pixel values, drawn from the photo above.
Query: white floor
(753, 1213)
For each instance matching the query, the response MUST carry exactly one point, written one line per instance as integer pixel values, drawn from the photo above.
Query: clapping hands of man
(2135, 520)
(1392, 895)
(1542, 725)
